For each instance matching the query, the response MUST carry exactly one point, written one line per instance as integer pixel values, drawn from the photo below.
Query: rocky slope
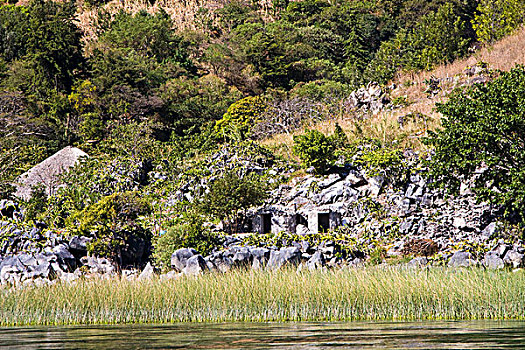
(372, 219)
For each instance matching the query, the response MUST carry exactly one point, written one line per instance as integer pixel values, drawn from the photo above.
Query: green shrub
(377, 256)
(232, 193)
(314, 149)
(497, 18)
(187, 232)
(338, 138)
(377, 160)
(113, 222)
(37, 204)
(320, 89)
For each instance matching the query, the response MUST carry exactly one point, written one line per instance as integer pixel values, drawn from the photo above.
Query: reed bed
(355, 294)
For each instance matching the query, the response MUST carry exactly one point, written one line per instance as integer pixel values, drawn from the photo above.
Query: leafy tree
(25, 140)
(483, 138)
(13, 29)
(313, 40)
(53, 45)
(408, 13)
(306, 12)
(134, 57)
(235, 13)
(231, 194)
(149, 36)
(125, 83)
(42, 48)
(190, 103)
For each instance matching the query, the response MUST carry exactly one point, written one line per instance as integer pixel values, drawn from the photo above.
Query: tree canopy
(483, 140)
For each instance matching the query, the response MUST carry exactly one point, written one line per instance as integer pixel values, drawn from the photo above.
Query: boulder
(147, 273)
(418, 262)
(27, 259)
(302, 230)
(12, 261)
(180, 257)
(98, 265)
(195, 265)
(242, 257)
(290, 256)
(513, 258)
(355, 179)
(376, 185)
(328, 249)
(11, 274)
(305, 246)
(329, 181)
(331, 194)
(502, 249)
(490, 231)
(48, 172)
(64, 257)
(461, 259)
(260, 258)
(316, 261)
(78, 245)
(414, 192)
(493, 261)
(68, 277)
(42, 270)
(219, 262)
(171, 275)
(459, 223)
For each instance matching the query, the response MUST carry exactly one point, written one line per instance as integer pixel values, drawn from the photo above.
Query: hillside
(311, 133)
(411, 89)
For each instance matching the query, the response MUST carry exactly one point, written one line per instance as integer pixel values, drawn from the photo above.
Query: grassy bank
(362, 294)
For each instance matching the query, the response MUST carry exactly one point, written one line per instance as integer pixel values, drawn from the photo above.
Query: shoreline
(366, 294)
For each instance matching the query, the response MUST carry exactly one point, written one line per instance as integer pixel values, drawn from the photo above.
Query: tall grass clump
(361, 294)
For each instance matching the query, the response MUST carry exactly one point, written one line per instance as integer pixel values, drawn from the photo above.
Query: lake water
(351, 335)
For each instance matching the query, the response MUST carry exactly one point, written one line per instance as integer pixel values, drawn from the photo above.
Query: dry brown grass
(383, 126)
(502, 55)
(183, 13)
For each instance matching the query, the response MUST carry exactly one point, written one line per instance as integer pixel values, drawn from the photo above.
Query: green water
(353, 335)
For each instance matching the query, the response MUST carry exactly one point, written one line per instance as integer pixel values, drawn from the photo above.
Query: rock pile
(404, 213)
(368, 99)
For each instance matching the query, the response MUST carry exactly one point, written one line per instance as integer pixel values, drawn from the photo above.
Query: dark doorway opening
(323, 222)
(266, 223)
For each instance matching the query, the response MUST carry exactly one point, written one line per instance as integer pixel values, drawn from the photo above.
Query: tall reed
(361, 294)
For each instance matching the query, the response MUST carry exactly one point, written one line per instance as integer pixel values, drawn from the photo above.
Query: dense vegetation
(140, 96)
(483, 139)
(262, 296)
(58, 89)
